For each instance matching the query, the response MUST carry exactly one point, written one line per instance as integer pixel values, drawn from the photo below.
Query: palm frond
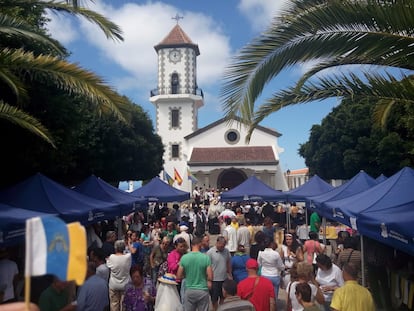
(19, 28)
(311, 30)
(13, 82)
(110, 29)
(64, 75)
(22, 119)
(382, 89)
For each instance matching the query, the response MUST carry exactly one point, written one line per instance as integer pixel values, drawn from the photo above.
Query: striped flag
(168, 178)
(54, 247)
(177, 177)
(191, 177)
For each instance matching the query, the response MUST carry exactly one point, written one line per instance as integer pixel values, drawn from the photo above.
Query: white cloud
(62, 29)
(260, 12)
(144, 26)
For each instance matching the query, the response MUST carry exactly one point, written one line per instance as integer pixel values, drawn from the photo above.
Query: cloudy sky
(219, 27)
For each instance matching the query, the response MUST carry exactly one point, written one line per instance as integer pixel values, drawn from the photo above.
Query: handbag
(289, 301)
(163, 269)
(314, 253)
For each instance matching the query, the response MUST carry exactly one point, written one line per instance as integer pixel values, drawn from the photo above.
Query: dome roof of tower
(177, 38)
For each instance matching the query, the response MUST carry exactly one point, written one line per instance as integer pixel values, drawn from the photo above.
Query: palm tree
(20, 65)
(339, 35)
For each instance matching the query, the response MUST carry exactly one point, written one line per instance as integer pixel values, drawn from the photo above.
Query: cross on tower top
(177, 17)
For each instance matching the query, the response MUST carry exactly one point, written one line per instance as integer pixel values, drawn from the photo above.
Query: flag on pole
(54, 247)
(168, 178)
(191, 176)
(177, 177)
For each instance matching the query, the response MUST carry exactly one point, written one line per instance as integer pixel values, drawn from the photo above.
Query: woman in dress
(291, 252)
(329, 278)
(140, 293)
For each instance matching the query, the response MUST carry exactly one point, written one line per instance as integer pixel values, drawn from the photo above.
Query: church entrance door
(230, 178)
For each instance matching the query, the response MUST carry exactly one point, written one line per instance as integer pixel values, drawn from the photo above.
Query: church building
(215, 156)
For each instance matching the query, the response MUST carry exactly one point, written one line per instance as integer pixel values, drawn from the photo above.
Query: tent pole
(324, 230)
(288, 210)
(361, 238)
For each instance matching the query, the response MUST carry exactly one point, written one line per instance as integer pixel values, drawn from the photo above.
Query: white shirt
(196, 193)
(119, 266)
(231, 237)
(331, 277)
(271, 262)
(243, 236)
(289, 260)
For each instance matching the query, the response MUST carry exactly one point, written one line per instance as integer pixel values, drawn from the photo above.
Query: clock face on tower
(175, 56)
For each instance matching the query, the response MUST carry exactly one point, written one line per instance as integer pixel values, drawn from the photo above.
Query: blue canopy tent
(13, 224)
(41, 194)
(384, 212)
(252, 189)
(99, 189)
(360, 182)
(314, 186)
(381, 178)
(157, 190)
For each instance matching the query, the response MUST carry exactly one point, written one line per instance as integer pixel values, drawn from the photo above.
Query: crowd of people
(208, 255)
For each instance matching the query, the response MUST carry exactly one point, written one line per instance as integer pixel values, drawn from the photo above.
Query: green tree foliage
(94, 129)
(333, 34)
(86, 143)
(347, 141)
(28, 54)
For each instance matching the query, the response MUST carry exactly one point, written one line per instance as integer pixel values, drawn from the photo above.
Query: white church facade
(216, 155)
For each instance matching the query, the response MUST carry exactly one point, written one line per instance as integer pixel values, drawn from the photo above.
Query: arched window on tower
(174, 83)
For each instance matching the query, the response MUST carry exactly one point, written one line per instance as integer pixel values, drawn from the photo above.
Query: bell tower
(177, 99)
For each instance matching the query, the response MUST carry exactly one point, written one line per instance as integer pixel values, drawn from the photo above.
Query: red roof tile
(177, 37)
(233, 155)
(301, 171)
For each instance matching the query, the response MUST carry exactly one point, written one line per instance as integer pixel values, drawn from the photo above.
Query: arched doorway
(230, 178)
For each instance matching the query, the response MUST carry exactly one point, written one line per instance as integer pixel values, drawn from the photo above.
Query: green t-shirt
(52, 300)
(315, 222)
(195, 266)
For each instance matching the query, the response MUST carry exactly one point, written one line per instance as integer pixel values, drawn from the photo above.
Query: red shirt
(261, 293)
